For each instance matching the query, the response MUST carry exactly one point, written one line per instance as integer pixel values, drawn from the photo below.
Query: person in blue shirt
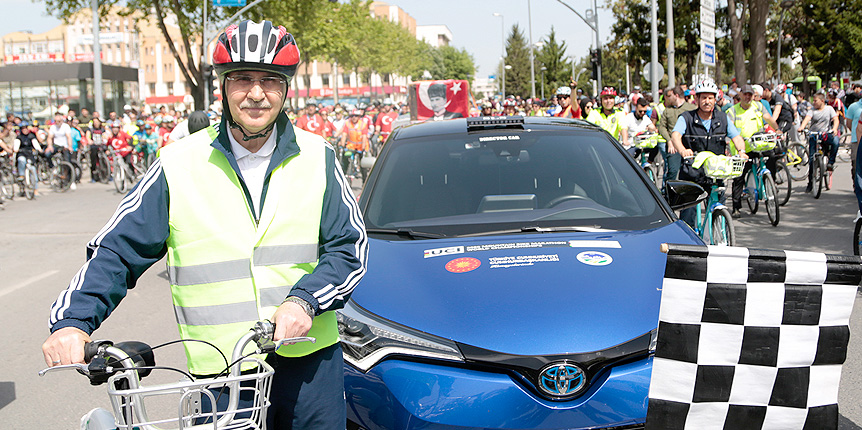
(852, 115)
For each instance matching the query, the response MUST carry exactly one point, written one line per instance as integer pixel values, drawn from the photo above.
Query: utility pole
(532, 56)
(97, 61)
(671, 68)
(653, 71)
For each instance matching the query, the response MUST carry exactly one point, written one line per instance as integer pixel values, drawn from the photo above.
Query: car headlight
(366, 339)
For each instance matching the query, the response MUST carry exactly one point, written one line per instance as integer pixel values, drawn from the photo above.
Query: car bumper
(399, 394)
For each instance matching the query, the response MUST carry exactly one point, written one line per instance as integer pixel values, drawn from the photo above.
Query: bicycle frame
(712, 203)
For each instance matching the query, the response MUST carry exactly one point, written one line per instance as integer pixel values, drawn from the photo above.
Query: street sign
(647, 69)
(707, 16)
(708, 53)
(707, 33)
(229, 3)
(708, 5)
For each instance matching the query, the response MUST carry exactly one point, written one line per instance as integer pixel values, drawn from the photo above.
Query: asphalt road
(43, 247)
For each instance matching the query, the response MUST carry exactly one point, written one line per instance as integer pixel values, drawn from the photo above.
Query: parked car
(514, 279)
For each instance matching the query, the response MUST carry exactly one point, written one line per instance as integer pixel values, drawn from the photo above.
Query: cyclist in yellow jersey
(607, 117)
(749, 116)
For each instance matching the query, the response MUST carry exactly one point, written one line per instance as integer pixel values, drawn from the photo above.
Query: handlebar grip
(90, 351)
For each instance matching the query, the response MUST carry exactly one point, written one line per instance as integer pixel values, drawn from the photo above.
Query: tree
(632, 33)
(189, 19)
(517, 56)
(552, 56)
(736, 17)
(759, 11)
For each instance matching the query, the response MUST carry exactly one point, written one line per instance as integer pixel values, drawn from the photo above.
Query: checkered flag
(751, 339)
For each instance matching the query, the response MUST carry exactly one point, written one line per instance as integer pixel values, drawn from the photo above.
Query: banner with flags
(751, 339)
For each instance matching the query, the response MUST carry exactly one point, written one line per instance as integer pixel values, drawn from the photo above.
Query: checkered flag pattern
(751, 339)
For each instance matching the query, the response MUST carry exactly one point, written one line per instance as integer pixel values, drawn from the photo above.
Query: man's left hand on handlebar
(65, 346)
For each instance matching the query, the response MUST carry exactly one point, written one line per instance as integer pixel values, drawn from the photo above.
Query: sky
(472, 23)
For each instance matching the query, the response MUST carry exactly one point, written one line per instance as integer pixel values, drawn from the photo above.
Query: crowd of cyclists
(828, 117)
(89, 141)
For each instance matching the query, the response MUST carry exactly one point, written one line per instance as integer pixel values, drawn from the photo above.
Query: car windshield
(502, 181)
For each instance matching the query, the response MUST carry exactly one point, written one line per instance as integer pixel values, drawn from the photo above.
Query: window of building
(152, 86)
(345, 79)
(325, 79)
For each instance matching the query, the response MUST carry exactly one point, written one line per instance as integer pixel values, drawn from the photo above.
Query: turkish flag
(441, 99)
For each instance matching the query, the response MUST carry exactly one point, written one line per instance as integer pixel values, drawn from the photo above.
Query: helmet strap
(245, 136)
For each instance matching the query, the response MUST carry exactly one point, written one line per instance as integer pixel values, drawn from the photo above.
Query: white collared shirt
(253, 166)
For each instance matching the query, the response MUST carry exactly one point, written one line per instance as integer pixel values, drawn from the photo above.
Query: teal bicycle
(759, 182)
(645, 141)
(713, 222)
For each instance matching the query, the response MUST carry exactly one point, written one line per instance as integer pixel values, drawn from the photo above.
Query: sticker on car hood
(449, 250)
(521, 260)
(463, 264)
(595, 258)
(594, 244)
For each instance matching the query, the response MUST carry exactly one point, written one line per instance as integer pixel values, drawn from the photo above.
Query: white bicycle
(123, 365)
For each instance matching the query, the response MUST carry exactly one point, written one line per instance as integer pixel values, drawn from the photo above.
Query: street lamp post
(786, 4)
(592, 20)
(532, 55)
(502, 54)
(543, 69)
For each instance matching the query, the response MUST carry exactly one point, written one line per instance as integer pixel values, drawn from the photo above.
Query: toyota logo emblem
(561, 379)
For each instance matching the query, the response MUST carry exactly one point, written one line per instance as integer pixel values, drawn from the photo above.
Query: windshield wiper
(537, 229)
(406, 232)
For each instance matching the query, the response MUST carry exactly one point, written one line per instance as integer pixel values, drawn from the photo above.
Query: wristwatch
(305, 305)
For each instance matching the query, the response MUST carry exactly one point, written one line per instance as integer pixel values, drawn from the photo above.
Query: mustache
(263, 104)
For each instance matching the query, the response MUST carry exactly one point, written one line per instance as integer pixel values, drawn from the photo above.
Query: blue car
(513, 282)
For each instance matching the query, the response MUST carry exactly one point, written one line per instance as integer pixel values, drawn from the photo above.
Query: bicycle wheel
(783, 183)
(43, 170)
(772, 210)
(62, 176)
(650, 173)
(30, 179)
(750, 191)
(103, 170)
(7, 184)
(818, 175)
(856, 237)
(722, 228)
(119, 176)
(796, 159)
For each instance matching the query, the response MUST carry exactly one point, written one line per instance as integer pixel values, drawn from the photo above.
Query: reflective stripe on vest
(226, 270)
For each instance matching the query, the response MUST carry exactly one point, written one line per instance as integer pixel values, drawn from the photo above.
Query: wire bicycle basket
(131, 412)
(723, 167)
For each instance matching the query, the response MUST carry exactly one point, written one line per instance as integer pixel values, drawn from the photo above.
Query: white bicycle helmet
(564, 91)
(706, 86)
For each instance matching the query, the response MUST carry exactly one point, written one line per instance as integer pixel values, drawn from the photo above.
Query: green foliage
(829, 32)
(517, 56)
(552, 56)
(451, 63)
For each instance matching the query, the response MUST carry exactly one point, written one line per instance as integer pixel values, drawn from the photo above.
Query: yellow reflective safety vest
(748, 121)
(612, 123)
(228, 270)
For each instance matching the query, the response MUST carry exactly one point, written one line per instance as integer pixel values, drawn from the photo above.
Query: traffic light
(595, 61)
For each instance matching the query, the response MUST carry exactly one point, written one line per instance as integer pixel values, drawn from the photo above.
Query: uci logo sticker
(595, 258)
(436, 252)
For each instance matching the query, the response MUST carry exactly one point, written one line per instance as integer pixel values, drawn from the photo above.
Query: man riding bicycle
(823, 121)
(257, 222)
(608, 117)
(748, 116)
(354, 136)
(568, 107)
(704, 129)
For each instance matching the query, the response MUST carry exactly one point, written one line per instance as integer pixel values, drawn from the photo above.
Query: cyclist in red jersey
(567, 108)
(383, 126)
(121, 142)
(311, 120)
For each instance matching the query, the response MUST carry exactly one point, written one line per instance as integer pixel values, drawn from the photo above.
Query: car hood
(525, 294)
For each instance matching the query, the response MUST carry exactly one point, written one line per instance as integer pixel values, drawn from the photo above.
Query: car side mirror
(367, 162)
(684, 194)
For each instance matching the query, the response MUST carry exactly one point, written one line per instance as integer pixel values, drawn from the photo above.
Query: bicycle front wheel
(119, 176)
(856, 237)
(751, 191)
(783, 183)
(796, 158)
(30, 179)
(62, 176)
(650, 174)
(722, 228)
(772, 210)
(7, 183)
(103, 169)
(817, 165)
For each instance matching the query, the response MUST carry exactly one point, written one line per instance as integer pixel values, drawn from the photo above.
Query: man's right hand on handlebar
(65, 346)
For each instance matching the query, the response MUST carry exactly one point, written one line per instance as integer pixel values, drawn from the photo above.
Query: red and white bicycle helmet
(609, 91)
(256, 46)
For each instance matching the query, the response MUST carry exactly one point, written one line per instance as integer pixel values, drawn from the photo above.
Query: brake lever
(80, 367)
(272, 346)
